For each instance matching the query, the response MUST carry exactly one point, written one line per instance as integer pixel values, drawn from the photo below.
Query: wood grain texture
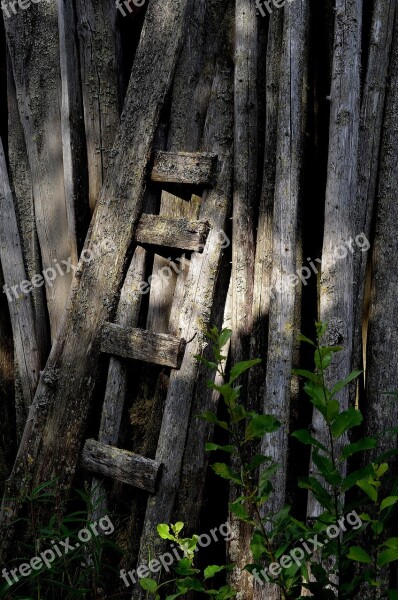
(370, 135)
(33, 43)
(171, 232)
(21, 308)
(102, 85)
(121, 465)
(336, 290)
(63, 398)
(292, 119)
(195, 315)
(140, 344)
(184, 167)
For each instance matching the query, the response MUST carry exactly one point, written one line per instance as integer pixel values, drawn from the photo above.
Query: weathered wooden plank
(336, 291)
(121, 465)
(171, 232)
(33, 43)
(64, 395)
(72, 128)
(243, 251)
(140, 344)
(196, 168)
(195, 312)
(102, 85)
(370, 134)
(20, 304)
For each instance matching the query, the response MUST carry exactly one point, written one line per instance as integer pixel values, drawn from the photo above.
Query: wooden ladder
(123, 339)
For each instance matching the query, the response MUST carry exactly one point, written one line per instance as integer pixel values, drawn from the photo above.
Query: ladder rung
(174, 233)
(140, 344)
(121, 465)
(195, 168)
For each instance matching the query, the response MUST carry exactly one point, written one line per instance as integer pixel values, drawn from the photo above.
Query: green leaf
(213, 366)
(260, 425)
(354, 477)
(224, 337)
(386, 557)
(211, 417)
(185, 568)
(238, 509)
(303, 338)
(389, 501)
(241, 367)
(224, 471)
(304, 436)
(213, 447)
(257, 460)
(177, 527)
(393, 595)
(360, 446)
(326, 469)
(322, 495)
(368, 488)
(317, 395)
(332, 410)
(266, 475)
(345, 421)
(342, 384)
(149, 585)
(164, 532)
(212, 570)
(392, 543)
(359, 555)
(189, 583)
(257, 546)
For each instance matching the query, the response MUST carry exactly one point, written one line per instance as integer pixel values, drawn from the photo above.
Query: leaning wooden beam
(17, 289)
(370, 133)
(336, 293)
(184, 167)
(33, 43)
(121, 465)
(102, 85)
(171, 232)
(140, 344)
(243, 251)
(64, 395)
(194, 318)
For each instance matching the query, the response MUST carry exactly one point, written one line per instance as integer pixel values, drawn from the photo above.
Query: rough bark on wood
(33, 43)
(102, 85)
(64, 395)
(140, 344)
(171, 232)
(121, 465)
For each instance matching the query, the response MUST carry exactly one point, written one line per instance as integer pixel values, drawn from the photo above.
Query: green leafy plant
(187, 578)
(74, 573)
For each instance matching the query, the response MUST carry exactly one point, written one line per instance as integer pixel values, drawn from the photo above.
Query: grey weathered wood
(33, 43)
(372, 113)
(195, 314)
(140, 344)
(381, 414)
(184, 167)
(292, 117)
(336, 292)
(72, 129)
(21, 178)
(172, 232)
(243, 251)
(102, 85)
(63, 398)
(116, 385)
(21, 308)
(121, 465)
